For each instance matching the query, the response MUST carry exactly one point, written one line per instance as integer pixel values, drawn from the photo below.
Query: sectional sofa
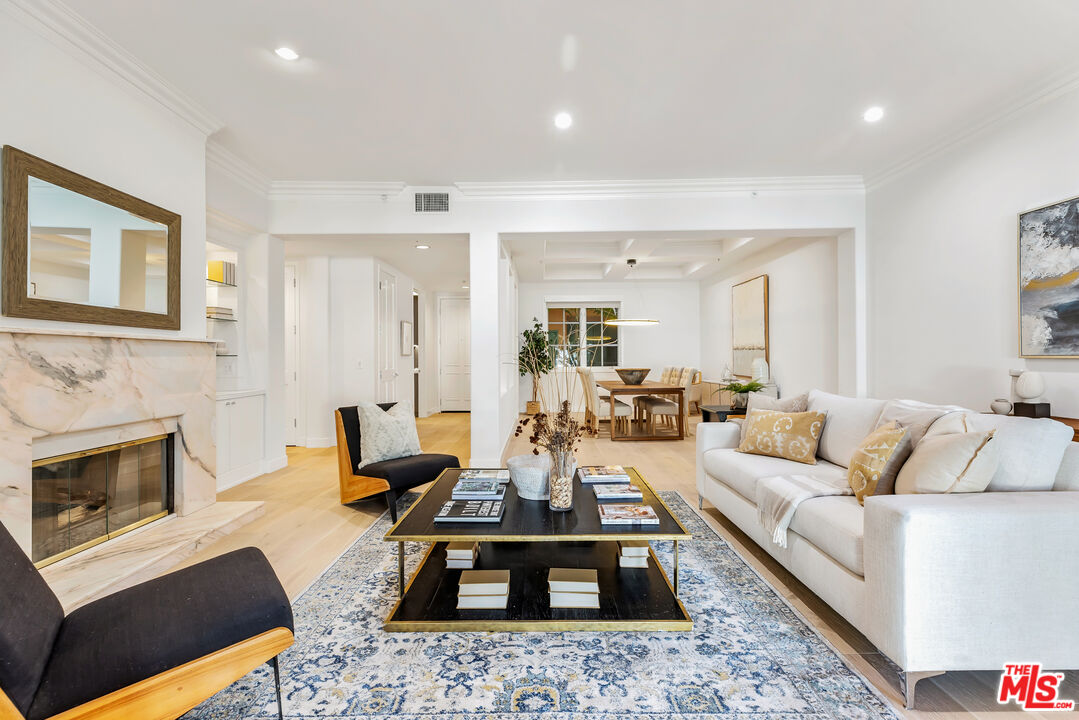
(941, 582)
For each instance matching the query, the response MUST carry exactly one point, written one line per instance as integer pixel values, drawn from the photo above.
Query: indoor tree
(535, 359)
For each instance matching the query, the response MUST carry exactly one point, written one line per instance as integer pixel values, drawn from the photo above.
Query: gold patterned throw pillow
(875, 463)
(791, 436)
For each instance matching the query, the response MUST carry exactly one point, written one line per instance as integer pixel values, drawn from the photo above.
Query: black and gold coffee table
(529, 541)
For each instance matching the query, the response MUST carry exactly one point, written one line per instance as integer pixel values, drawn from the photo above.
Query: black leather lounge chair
(390, 477)
(151, 652)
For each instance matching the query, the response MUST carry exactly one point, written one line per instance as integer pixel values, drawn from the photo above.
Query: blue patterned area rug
(749, 655)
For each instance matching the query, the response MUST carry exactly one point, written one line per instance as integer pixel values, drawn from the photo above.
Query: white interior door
(454, 354)
(292, 369)
(387, 337)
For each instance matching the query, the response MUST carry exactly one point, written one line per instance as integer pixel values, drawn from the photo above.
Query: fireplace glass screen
(87, 497)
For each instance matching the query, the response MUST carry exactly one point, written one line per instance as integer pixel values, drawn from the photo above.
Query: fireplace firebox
(87, 497)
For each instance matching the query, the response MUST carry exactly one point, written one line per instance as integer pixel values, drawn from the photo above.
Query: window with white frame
(579, 334)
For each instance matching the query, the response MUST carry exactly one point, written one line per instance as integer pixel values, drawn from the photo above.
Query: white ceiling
(587, 256)
(439, 92)
(442, 268)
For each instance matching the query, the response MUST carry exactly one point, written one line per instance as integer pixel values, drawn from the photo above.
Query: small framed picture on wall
(406, 337)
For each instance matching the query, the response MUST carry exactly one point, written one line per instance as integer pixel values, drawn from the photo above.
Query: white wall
(675, 341)
(67, 112)
(803, 314)
(339, 338)
(943, 299)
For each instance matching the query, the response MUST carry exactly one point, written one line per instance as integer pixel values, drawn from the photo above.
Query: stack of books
(620, 493)
(627, 515)
(502, 476)
(608, 474)
(478, 490)
(462, 555)
(221, 313)
(632, 554)
(221, 271)
(483, 589)
(489, 511)
(573, 587)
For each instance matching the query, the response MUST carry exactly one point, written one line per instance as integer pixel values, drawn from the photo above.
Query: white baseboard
(239, 475)
(269, 465)
(320, 442)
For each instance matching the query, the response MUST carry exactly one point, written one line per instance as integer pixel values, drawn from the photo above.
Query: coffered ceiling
(659, 255)
(433, 93)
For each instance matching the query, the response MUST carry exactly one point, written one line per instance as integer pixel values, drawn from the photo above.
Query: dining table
(648, 387)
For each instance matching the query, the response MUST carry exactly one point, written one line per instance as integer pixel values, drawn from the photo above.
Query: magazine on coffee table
(623, 492)
(603, 474)
(627, 515)
(502, 476)
(478, 490)
(475, 511)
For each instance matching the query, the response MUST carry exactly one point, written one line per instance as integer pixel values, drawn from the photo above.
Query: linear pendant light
(632, 322)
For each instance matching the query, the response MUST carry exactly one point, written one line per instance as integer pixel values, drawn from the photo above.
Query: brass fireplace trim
(115, 533)
(97, 450)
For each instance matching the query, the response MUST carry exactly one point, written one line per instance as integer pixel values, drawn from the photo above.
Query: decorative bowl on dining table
(632, 376)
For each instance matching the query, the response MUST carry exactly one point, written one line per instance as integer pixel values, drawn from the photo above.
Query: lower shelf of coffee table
(629, 598)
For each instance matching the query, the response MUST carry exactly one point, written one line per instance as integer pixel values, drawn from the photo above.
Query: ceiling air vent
(432, 202)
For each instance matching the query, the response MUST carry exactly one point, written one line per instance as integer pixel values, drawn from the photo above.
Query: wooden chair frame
(353, 487)
(170, 694)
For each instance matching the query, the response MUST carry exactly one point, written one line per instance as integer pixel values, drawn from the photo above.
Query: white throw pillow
(917, 417)
(849, 421)
(757, 401)
(1031, 449)
(386, 434)
(959, 462)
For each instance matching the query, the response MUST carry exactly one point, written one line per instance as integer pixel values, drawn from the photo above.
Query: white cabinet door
(223, 443)
(245, 431)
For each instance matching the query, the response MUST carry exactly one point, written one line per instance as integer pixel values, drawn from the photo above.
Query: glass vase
(563, 466)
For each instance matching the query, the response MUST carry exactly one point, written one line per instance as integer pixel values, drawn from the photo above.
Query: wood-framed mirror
(77, 250)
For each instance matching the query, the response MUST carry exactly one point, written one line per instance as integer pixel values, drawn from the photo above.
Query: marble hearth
(59, 390)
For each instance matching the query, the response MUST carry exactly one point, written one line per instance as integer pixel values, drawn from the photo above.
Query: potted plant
(534, 359)
(740, 392)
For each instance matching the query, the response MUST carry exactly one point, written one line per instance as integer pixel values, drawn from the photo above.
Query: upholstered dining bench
(151, 652)
(389, 477)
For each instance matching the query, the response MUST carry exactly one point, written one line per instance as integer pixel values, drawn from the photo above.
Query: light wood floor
(305, 529)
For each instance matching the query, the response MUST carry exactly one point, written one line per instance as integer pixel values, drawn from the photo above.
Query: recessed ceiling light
(287, 53)
(423, 246)
(563, 120)
(873, 114)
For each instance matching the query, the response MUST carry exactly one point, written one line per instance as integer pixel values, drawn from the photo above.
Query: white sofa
(936, 582)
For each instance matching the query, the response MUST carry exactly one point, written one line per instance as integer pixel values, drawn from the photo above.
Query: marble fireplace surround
(96, 385)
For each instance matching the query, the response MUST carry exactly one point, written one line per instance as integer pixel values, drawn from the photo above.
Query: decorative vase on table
(563, 467)
(739, 400)
(530, 474)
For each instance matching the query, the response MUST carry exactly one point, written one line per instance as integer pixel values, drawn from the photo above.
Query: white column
(487, 437)
(852, 325)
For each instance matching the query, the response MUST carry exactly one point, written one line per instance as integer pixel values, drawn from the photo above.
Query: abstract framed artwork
(749, 324)
(1049, 281)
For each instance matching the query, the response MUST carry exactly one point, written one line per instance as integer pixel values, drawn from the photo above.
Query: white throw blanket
(779, 497)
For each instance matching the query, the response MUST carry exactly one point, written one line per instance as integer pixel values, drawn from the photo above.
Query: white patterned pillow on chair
(386, 434)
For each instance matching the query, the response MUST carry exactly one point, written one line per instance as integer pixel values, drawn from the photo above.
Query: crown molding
(60, 25)
(236, 168)
(1062, 84)
(221, 220)
(336, 189)
(639, 188)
